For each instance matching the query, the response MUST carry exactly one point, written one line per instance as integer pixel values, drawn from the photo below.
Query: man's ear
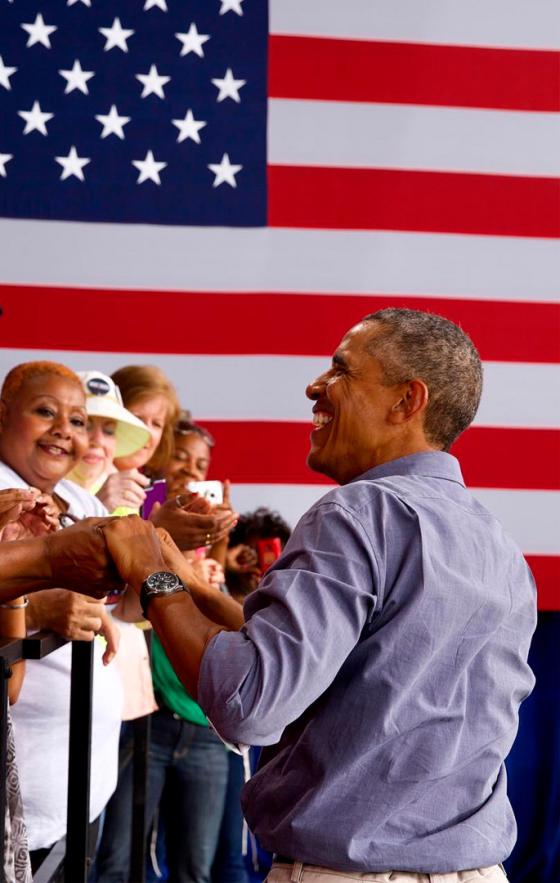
(412, 401)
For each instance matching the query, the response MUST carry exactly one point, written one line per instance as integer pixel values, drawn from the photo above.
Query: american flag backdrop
(222, 189)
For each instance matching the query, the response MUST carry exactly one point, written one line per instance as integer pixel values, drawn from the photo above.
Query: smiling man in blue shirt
(383, 657)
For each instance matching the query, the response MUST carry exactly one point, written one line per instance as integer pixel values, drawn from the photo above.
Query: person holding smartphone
(188, 766)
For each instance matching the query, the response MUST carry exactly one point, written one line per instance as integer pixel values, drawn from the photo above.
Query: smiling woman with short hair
(43, 434)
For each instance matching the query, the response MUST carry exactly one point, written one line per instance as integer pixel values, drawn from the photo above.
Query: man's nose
(315, 388)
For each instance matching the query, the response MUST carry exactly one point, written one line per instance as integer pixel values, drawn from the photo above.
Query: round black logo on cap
(98, 387)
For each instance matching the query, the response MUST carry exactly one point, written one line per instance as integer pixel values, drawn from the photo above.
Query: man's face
(352, 412)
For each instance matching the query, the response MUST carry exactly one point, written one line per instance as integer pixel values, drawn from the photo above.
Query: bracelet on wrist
(21, 606)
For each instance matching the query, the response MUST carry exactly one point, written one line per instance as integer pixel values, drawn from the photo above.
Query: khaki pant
(299, 873)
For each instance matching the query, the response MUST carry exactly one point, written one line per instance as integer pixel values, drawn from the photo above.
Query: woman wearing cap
(113, 432)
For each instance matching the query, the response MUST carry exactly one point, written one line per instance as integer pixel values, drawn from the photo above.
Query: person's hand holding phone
(193, 522)
(126, 488)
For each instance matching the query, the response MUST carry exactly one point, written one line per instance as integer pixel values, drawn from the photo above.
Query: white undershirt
(41, 715)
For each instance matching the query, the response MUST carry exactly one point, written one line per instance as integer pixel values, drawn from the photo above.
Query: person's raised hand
(78, 558)
(193, 522)
(134, 547)
(15, 501)
(210, 571)
(242, 559)
(26, 513)
(124, 488)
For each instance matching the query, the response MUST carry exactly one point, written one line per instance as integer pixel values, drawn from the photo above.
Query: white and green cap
(103, 399)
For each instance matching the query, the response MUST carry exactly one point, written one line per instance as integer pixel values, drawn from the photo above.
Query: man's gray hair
(414, 344)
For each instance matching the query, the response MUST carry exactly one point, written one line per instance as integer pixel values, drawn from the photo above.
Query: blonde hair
(140, 382)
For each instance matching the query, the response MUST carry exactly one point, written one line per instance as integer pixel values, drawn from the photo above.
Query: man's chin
(316, 463)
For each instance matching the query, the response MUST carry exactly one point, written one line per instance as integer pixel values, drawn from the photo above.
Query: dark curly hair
(262, 524)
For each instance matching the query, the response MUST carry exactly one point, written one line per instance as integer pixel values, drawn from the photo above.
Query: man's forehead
(356, 339)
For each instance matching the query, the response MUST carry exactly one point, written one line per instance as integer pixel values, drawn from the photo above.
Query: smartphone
(210, 490)
(268, 551)
(156, 493)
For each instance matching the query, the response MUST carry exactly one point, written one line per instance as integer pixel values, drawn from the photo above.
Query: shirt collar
(431, 464)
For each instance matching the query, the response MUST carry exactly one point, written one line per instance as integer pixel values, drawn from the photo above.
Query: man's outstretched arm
(184, 631)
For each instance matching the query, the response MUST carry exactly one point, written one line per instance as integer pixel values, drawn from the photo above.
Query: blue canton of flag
(151, 111)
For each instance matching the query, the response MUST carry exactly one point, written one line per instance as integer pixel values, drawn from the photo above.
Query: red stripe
(411, 73)
(293, 324)
(389, 199)
(546, 570)
(521, 458)
(274, 453)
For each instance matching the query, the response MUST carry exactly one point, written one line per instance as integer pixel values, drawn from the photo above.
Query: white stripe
(398, 136)
(520, 395)
(530, 517)
(273, 387)
(531, 24)
(331, 261)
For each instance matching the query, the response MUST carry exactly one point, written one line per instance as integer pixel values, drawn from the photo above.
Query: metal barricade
(72, 850)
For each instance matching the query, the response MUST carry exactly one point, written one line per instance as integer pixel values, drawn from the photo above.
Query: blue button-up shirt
(383, 659)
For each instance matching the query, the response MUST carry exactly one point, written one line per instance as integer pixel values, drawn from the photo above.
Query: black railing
(72, 850)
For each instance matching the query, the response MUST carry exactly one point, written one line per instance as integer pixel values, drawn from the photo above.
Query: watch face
(163, 580)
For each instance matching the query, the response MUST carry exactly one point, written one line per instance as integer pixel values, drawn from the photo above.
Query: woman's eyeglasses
(183, 427)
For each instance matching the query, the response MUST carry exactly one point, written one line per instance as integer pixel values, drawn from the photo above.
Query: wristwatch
(159, 585)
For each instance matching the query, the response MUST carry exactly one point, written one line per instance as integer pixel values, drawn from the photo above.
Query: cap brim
(132, 434)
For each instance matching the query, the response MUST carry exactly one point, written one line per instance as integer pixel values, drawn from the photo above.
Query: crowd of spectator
(74, 445)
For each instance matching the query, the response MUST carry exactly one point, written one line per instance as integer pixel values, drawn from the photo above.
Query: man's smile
(321, 419)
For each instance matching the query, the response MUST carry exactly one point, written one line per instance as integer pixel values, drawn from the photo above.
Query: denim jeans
(191, 762)
(229, 864)
(112, 862)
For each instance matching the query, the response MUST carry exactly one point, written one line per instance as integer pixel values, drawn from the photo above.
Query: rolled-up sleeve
(301, 624)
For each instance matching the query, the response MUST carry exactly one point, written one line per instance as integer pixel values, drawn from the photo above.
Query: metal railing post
(79, 762)
(139, 782)
(5, 674)
(142, 729)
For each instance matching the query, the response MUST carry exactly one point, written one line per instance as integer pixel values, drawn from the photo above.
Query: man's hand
(194, 523)
(124, 489)
(78, 558)
(134, 547)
